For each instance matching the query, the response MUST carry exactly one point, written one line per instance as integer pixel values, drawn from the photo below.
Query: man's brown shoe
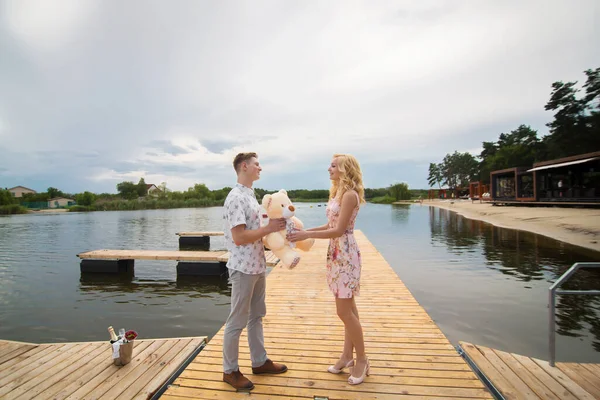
(238, 381)
(269, 367)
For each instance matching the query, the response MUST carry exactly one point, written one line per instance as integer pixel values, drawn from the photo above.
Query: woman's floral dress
(343, 256)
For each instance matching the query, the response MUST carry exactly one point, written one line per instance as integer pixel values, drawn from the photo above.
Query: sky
(93, 93)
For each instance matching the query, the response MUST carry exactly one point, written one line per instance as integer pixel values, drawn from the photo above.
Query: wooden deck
(410, 357)
(200, 234)
(85, 370)
(174, 255)
(520, 377)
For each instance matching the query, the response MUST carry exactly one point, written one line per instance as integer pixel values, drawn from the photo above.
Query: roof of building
(23, 187)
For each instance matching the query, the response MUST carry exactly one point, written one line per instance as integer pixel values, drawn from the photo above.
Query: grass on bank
(13, 209)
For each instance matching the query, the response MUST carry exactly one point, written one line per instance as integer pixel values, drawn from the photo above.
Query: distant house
(152, 189)
(19, 191)
(60, 202)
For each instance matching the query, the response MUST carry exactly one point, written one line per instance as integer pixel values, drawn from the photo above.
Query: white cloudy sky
(96, 92)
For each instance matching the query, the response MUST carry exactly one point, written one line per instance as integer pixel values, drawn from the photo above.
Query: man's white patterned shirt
(241, 207)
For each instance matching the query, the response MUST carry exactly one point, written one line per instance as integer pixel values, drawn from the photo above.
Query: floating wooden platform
(200, 234)
(86, 370)
(410, 357)
(520, 377)
(173, 255)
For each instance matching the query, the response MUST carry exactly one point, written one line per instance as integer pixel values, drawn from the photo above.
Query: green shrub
(13, 209)
(81, 208)
(383, 200)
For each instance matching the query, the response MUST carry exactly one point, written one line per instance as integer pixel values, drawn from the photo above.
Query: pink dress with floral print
(343, 256)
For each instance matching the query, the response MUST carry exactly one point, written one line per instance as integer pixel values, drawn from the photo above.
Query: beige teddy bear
(279, 205)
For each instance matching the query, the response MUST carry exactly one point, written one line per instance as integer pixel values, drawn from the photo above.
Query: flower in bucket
(130, 335)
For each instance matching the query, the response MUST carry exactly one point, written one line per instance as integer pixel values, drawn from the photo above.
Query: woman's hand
(297, 235)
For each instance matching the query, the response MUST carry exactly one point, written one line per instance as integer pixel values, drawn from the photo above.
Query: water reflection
(193, 286)
(401, 212)
(526, 257)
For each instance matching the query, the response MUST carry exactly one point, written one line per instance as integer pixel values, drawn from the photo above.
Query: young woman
(343, 259)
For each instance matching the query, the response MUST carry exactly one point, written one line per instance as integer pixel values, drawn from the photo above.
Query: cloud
(96, 92)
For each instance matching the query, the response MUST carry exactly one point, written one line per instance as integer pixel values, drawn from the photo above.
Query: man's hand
(275, 225)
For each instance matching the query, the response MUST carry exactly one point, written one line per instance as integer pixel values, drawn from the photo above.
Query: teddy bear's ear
(283, 191)
(266, 201)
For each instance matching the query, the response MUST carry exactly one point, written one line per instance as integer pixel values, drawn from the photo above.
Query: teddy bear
(279, 205)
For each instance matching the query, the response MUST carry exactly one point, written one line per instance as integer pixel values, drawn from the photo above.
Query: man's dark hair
(241, 158)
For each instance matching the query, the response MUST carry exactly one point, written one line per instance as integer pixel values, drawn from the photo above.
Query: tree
(128, 190)
(459, 169)
(435, 175)
(198, 191)
(142, 188)
(85, 199)
(6, 198)
(576, 125)
(54, 192)
(399, 191)
(520, 147)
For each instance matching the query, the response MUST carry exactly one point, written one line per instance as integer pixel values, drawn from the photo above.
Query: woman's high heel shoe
(334, 370)
(355, 381)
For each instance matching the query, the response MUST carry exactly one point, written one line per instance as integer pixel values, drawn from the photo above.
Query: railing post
(552, 302)
(552, 319)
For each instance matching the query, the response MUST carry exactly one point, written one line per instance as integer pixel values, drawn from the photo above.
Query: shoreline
(576, 226)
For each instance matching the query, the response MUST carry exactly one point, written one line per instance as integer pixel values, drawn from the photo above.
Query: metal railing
(555, 290)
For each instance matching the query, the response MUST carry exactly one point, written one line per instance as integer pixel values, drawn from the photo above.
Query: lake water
(481, 284)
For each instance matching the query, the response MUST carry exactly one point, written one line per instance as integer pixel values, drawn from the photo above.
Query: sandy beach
(576, 226)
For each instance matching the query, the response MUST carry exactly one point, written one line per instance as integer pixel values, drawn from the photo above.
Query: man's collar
(243, 187)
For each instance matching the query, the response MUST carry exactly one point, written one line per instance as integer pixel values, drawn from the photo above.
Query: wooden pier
(189, 262)
(86, 370)
(410, 357)
(200, 240)
(519, 377)
(199, 234)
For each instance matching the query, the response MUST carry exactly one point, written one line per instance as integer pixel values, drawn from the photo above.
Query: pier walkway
(410, 357)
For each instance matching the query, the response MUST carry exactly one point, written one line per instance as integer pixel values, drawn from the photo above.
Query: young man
(247, 270)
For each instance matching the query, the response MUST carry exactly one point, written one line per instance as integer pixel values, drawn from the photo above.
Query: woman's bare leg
(347, 312)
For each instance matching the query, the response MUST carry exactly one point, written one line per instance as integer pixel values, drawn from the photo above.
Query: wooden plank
(200, 233)
(560, 391)
(16, 352)
(582, 376)
(167, 372)
(174, 255)
(55, 371)
(102, 364)
(30, 370)
(169, 255)
(102, 382)
(564, 380)
(517, 376)
(499, 381)
(114, 386)
(527, 377)
(524, 391)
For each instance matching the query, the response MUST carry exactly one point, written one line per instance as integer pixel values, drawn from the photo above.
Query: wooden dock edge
(184, 364)
(460, 348)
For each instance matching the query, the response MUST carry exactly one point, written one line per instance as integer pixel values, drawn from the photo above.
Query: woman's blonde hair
(350, 178)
